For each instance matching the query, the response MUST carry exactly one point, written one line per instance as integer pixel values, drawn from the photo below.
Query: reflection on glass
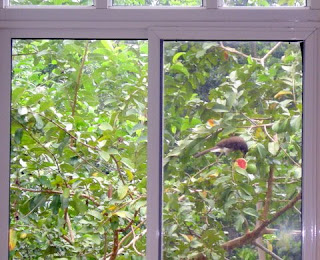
(232, 150)
(265, 3)
(158, 2)
(78, 157)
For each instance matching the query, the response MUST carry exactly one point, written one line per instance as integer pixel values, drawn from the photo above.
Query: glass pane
(78, 158)
(264, 3)
(158, 2)
(52, 2)
(232, 150)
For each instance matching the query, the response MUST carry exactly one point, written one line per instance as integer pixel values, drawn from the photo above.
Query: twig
(133, 241)
(116, 237)
(118, 168)
(68, 222)
(262, 60)
(232, 50)
(67, 132)
(134, 244)
(266, 250)
(67, 239)
(203, 169)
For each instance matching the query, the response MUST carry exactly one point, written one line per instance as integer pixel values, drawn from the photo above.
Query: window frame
(203, 23)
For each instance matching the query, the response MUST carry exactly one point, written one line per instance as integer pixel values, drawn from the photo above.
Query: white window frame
(157, 24)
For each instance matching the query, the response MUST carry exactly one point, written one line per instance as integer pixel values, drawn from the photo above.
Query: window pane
(264, 3)
(232, 150)
(78, 159)
(52, 2)
(158, 2)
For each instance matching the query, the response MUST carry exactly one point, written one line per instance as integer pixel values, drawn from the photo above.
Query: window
(184, 45)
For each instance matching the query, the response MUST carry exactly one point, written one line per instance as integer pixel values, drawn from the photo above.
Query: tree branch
(268, 194)
(266, 250)
(254, 234)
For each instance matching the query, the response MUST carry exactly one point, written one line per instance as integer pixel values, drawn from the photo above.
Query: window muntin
(213, 90)
(51, 3)
(78, 157)
(264, 3)
(184, 3)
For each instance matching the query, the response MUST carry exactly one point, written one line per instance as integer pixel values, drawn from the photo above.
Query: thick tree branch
(254, 234)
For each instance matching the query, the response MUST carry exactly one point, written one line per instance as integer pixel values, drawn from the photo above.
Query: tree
(212, 207)
(78, 161)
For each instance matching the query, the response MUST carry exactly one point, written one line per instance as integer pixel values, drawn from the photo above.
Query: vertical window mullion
(154, 185)
(310, 141)
(5, 72)
(211, 4)
(101, 4)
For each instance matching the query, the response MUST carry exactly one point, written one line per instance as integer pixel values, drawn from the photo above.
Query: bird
(234, 143)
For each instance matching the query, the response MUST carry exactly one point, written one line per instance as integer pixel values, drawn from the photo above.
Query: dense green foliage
(212, 91)
(78, 160)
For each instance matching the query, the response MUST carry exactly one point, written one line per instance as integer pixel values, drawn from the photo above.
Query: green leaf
(104, 155)
(262, 151)
(46, 105)
(220, 108)
(39, 122)
(177, 56)
(105, 126)
(239, 222)
(18, 135)
(241, 171)
(95, 214)
(123, 214)
(273, 147)
(127, 162)
(34, 99)
(63, 144)
(296, 122)
(55, 204)
(122, 191)
(178, 67)
(251, 212)
(16, 94)
(66, 193)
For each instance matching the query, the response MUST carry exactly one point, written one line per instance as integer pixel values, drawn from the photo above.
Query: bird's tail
(212, 149)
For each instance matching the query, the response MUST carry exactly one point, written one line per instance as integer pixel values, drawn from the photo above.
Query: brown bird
(234, 143)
